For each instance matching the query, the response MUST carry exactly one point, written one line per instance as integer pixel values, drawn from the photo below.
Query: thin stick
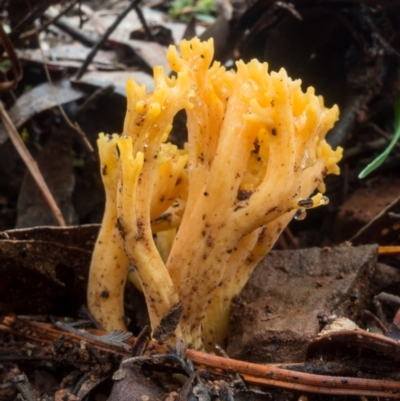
(377, 321)
(267, 375)
(389, 298)
(15, 63)
(143, 21)
(24, 388)
(103, 39)
(75, 33)
(378, 216)
(49, 22)
(389, 250)
(30, 164)
(75, 126)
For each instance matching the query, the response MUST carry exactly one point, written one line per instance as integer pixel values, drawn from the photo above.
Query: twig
(389, 298)
(103, 39)
(221, 351)
(141, 341)
(49, 22)
(22, 384)
(376, 144)
(94, 97)
(143, 21)
(81, 19)
(368, 18)
(354, 102)
(84, 312)
(94, 19)
(267, 375)
(29, 18)
(378, 216)
(383, 133)
(72, 125)
(389, 250)
(377, 321)
(95, 353)
(16, 65)
(79, 383)
(160, 357)
(75, 126)
(74, 32)
(298, 381)
(30, 164)
(187, 386)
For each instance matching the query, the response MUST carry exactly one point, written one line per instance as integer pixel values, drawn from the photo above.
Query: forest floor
(319, 318)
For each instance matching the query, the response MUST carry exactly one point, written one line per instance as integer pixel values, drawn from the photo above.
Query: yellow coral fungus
(255, 155)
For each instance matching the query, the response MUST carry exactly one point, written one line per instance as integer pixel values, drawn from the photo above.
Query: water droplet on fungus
(324, 201)
(300, 214)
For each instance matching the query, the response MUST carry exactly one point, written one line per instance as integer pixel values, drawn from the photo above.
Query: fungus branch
(107, 279)
(255, 155)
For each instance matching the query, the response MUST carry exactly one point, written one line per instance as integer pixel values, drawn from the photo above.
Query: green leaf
(202, 9)
(382, 157)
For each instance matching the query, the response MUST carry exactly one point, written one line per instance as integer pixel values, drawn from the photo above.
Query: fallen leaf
(39, 99)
